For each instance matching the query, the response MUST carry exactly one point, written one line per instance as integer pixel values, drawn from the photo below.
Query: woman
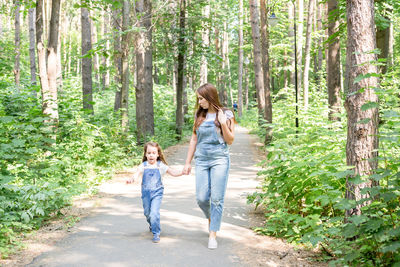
(213, 131)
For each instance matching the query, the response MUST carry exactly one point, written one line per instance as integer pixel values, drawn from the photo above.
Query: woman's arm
(227, 127)
(190, 154)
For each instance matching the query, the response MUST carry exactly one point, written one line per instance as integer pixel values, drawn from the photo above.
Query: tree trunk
(17, 35)
(205, 36)
(299, 36)
(95, 55)
(224, 80)
(125, 67)
(87, 87)
(291, 16)
(144, 88)
(32, 56)
(117, 57)
(240, 60)
(384, 40)
(181, 58)
(48, 75)
(334, 76)
(362, 125)
(307, 53)
(258, 71)
(246, 88)
(266, 71)
(105, 78)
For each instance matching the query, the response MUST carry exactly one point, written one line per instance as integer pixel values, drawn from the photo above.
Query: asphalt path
(116, 234)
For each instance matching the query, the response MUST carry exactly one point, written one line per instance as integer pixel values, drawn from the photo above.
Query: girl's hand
(221, 116)
(129, 181)
(186, 170)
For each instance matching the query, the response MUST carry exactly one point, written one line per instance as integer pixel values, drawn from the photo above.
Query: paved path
(116, 234)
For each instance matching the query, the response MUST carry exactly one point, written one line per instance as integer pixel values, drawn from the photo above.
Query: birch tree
(87, 86)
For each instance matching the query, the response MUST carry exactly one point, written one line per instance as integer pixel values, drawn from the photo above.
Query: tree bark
(17, 38)
(144, 88)
(334, 76)
(87, 86)
(105, 78)
(47, 75)
(205, 36)
(32, 55)
(362, 125)
(181, 58)
(300, 30)
(240, 60)
(117, 57)
(266, 70)
(125, 66)
(307, 53)
(258, 71)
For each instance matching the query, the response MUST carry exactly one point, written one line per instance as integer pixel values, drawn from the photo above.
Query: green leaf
(358, 219)
(369, 105)
(25, 216)
(393, 247)
(350, 230)
(364, 121)
(365, 76)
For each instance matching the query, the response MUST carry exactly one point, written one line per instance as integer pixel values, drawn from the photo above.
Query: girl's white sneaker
(212, 243)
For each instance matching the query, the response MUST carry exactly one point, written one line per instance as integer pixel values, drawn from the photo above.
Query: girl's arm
(190, 154)
(135, 177)
(227, 127)
(174, 172)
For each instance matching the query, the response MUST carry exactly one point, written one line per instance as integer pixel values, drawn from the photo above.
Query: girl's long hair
(210, 93)
(160, 153)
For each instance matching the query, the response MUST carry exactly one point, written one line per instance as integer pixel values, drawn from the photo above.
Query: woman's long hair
(160, 153)
(210, 93)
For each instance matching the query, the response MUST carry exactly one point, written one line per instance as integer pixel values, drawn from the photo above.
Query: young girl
(151, 170)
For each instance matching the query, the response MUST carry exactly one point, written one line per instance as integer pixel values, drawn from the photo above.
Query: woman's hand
(221, 116)
(186, 170)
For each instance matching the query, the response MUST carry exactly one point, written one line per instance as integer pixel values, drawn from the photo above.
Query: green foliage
(304, 176)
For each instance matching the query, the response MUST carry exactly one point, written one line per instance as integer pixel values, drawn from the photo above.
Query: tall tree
(266, 70)
(362, 122)
(299, 42)
(205, 36)
(258, 71)
(87, 85)
(17, 38)
(334, 76)
(384, 37)
(125, 66)
(105, 78)
(240, 60)
(307, 53)
(144, 69)
(47, 75)
(32, 55)
(117, 56)
(181, 74)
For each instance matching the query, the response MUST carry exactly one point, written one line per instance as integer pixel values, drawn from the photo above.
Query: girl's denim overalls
(212, 167)
(152, 193)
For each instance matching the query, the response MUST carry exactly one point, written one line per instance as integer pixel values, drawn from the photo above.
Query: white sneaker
(212, 243)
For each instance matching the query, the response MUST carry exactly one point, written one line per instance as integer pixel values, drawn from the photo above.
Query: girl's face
(152, 154)
(203, 102)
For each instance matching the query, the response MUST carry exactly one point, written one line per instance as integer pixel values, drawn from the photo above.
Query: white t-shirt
(163, 167)
(212, 116)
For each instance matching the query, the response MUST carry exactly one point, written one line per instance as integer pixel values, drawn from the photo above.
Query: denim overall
(212, 168)
(152, 193)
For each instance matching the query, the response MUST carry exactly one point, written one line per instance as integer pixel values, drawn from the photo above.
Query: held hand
(186, 170)
(129, 181)
(221, 116)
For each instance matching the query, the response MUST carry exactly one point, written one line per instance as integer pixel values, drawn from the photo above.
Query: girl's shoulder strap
(145, 163)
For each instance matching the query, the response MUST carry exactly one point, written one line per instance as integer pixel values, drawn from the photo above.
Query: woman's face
(203, 102)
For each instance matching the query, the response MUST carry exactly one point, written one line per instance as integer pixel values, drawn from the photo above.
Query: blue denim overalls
(212, 168)
(152, 193)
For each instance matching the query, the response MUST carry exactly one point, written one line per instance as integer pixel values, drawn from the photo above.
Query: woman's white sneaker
(212, 243)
